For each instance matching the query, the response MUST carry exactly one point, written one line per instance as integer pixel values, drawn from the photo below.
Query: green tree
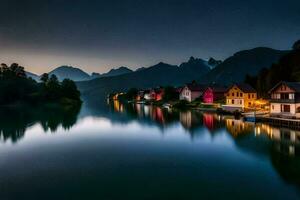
(69, 89)
(17, 70)
(296, 45)
(170, 94)
(44, 78)
(131, 93)
(53, 88)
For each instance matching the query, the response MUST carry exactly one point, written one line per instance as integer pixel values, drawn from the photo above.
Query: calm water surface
(143, 152)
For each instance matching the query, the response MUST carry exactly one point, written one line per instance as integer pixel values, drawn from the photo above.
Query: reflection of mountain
(14, 122)
(288, 167)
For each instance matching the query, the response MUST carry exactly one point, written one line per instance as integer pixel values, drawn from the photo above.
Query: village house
(213, 94)
(192, 91)
(285, 100)
(156, 94)
(147, 95)
(140, 95)
(240, 97)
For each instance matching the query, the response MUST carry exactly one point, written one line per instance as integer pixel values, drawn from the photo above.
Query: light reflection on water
(125, 151)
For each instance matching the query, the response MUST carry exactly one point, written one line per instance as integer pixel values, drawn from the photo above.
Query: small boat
(250, 118)
(166, 105)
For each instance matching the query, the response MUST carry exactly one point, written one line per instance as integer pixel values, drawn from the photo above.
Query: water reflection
(14, 122)
(118, 147)
(192, 120)
(280, 145)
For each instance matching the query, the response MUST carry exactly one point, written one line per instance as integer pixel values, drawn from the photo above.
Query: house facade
(140, 95)
(213, 94)
(147, 95)
(190, 92)
(285, 100)
(156, 94)
(240, 97)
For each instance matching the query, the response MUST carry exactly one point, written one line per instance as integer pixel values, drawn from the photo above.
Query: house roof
(246, 88)
(293, 85)
(157, 90)
(196, 87)
(216, 88)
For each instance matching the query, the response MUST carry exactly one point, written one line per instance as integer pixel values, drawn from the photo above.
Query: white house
(285, 100)
(192, 91)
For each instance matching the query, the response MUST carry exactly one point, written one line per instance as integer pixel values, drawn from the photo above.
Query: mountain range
(77, 74)
(159, 74)
(232, 69)
(236, 67)
(112, 72)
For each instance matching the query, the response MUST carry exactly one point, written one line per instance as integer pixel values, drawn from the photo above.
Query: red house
(214, 93)
(157, 94)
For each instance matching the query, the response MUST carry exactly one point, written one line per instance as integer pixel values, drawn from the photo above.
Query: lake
(137, 151)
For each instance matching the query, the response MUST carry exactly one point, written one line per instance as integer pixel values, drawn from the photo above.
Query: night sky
(98, 35)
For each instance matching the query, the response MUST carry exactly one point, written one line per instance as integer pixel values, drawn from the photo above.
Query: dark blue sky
(98, 35)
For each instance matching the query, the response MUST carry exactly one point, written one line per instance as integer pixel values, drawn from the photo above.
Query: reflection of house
(190, 120)
(238, 127)
(286, 135)
(285, 100)
(208, 120)
(214, 93)
(118, 106)
(192, 91)
(239, 97)
(287, 141)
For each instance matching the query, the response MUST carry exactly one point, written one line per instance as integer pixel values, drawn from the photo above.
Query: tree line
(16, 87)
(286, 69)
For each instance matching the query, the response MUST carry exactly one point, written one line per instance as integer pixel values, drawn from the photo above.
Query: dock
(280, 122)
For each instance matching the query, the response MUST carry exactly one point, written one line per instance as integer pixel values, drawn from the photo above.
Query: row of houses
(155, 94)
(284, 98)
(237, 96)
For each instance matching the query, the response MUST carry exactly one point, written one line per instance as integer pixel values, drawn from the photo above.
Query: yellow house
(239, 97)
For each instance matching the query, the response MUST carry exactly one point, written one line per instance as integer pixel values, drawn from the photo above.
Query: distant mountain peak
(113, 72)
(195, 65)
(120, 69)
(140, 69)
(213, 62)
(70, 72)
